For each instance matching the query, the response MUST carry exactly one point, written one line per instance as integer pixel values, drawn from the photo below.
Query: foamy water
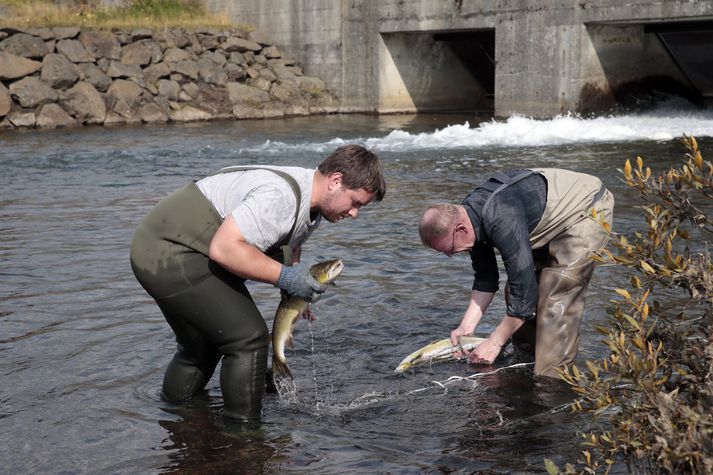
(662, 124)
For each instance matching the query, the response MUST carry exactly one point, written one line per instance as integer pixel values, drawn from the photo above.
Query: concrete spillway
(537, 58)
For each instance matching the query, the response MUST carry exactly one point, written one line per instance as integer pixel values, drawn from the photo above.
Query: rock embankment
(63, 77)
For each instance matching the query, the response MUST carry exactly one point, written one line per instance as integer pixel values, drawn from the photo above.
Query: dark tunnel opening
(440, 71)
(690, 45)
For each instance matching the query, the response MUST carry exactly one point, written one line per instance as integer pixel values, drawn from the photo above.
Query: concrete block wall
(550, 56)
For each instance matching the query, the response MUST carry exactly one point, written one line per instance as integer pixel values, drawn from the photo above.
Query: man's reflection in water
(202, 443)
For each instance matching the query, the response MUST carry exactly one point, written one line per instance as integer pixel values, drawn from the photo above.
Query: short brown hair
(360, 168)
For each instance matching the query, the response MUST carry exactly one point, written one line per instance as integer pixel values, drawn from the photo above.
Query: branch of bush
(652, 394)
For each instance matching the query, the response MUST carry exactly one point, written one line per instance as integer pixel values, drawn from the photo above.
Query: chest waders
(570, 237)
(208, 308)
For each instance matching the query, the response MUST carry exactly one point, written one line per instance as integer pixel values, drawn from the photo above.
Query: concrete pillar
(541, 66)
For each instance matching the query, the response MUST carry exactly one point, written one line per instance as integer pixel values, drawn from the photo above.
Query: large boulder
(208, 40)
(155, 72)
(283, 73)
(14, 67)
(141, 53)
(22, 119)
(264, 111)
(214, 56)
(121, 70)
(271, 52)
(286, 92)
(85, 103)
(234, 72)
(169, 89)
(141, 34)
(58, 71)
(176, 39)
(101, 44)
(213, 100)
(32, 92)
(5, 101)
(152, 112)
(189, 114)
(267, 75)
(125, 91)
(52, 115)
(259, 83)
(211, 72)
(242, 94)
(240, 45)
(27, 46)
(74, 51)
(188, 68)
(65, 32)
(174, 55)
(94, 76)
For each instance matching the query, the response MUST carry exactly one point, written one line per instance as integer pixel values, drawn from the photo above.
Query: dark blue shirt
(512, 214)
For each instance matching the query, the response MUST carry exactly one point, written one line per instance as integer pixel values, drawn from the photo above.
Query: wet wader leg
(193, 364)
(562, 291)
(222, 312)
(559, 316)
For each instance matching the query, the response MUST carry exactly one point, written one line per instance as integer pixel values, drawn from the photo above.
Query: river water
(83, 348)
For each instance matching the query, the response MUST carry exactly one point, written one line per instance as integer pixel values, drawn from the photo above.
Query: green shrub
(652, 395)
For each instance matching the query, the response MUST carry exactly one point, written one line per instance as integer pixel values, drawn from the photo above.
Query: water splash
(662, 124)
(286, 388)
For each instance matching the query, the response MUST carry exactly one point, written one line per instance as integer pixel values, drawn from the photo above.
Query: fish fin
(289, 342)
(280, 369)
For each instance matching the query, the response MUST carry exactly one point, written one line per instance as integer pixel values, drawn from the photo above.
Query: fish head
(325, 272)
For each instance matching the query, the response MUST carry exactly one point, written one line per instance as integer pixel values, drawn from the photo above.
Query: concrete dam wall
(538, 57)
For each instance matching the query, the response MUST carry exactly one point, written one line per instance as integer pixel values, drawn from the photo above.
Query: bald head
(438, 221)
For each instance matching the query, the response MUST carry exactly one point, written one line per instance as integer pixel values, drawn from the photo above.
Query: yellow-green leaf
(624, 293)
(646, 267)
(551, 467)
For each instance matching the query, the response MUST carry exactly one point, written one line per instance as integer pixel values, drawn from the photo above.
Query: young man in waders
(197, 247)
(540, 220)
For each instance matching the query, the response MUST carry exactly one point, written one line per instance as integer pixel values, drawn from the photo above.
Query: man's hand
(455, 341)
(486, 352)
(296, 280)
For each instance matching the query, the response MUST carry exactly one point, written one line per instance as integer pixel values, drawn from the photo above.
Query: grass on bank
(153, 14)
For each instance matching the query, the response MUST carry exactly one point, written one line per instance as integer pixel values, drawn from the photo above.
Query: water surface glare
(83, 348)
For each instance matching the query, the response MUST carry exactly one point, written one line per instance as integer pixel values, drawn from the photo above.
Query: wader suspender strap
(506, 181)
(282, 245)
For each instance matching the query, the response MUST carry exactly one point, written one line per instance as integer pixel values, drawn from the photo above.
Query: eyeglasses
(453, 244)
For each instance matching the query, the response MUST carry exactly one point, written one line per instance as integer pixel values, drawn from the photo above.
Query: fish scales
(438, 351)
(290, 310)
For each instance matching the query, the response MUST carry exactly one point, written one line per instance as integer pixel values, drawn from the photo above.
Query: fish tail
(280, 369)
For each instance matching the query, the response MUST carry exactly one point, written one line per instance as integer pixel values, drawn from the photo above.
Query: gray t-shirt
(262, 203)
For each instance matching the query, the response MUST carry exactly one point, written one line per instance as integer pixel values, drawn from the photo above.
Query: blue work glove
(297, 281)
